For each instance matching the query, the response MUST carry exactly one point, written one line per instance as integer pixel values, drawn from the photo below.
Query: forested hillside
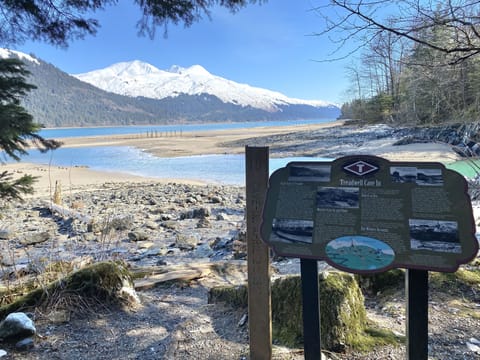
(62, 100)
(420, 64)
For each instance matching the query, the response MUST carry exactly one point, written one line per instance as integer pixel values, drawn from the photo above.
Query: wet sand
(199, 143)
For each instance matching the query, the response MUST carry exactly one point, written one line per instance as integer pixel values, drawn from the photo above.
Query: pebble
(474, 345)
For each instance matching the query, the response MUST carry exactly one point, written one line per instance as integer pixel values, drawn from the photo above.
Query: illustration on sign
(365, 214)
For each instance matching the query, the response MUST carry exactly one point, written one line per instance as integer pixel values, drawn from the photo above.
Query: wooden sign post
(258, 258)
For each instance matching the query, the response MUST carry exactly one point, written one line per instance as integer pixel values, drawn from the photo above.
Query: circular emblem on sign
(360, 253)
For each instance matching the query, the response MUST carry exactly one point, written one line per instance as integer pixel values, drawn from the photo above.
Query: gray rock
(89, 236)
(123, 222)
(171, 224)
(165, 217)
(3, 353)
(151, 225)
(137, 235)
(25, 344)
(191, 200)
(223, 216)
(199, 213)
(473, 345)
(220, 243)
(203, 251)
(17, 326)
(186, 242)
(6, 234)
(6, 260)
(35, 238)
(216, 199)
(204, 223)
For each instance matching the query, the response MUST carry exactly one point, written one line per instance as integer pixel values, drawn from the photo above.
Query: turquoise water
(220, 169)
(470, 168)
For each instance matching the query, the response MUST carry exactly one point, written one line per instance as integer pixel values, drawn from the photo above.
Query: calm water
(222, 169)
(122, 130)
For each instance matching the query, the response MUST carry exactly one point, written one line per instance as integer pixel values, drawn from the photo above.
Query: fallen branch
(66, 212)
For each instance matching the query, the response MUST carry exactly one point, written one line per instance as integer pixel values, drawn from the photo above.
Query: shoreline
(283, 141)
(76, 178)
(189, 143)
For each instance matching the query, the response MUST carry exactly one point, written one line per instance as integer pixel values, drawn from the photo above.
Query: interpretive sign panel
(365, 214)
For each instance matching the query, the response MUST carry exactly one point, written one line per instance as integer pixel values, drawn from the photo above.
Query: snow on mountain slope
(137, 78)
(6, 53)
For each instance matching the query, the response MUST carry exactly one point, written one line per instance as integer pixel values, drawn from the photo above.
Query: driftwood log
(149, 277)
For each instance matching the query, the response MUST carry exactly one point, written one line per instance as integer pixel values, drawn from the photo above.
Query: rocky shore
(152, 224)
(148, 224)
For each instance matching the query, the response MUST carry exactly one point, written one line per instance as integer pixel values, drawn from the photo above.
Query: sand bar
(190, 143)
(199, 143)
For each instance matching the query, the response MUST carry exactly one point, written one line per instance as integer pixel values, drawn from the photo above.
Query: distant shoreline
(190, 123)
(191, 143)
(290, 139)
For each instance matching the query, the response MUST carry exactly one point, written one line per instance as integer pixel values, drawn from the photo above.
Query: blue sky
(268, 46)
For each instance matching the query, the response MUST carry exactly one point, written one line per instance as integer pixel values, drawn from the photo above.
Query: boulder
(35, 238)
(343, 315)
(109, 283)
(17, 326)
(379, 283)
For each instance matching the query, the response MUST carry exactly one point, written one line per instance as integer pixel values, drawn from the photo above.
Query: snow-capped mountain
(137, 93)
(137, 78)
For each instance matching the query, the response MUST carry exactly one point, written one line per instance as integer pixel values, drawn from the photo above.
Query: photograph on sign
(292, 230)
(309, 172)
(405, 174)
(360, 253)
(429, 177)
(365, 214)
(337, 197)
(434, 235)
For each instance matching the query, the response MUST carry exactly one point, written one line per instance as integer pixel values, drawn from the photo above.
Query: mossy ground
(460, 290)
(343, 315)
(98, 283)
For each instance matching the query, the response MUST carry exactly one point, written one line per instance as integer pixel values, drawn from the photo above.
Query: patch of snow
(6, 54)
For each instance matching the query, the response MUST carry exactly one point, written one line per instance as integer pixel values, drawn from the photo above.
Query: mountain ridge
(62, 100)
(138, 78)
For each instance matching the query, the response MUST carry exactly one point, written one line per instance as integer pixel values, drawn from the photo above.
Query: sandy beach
(230, 141)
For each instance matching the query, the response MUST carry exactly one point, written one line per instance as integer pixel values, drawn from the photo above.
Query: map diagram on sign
(364, 214)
